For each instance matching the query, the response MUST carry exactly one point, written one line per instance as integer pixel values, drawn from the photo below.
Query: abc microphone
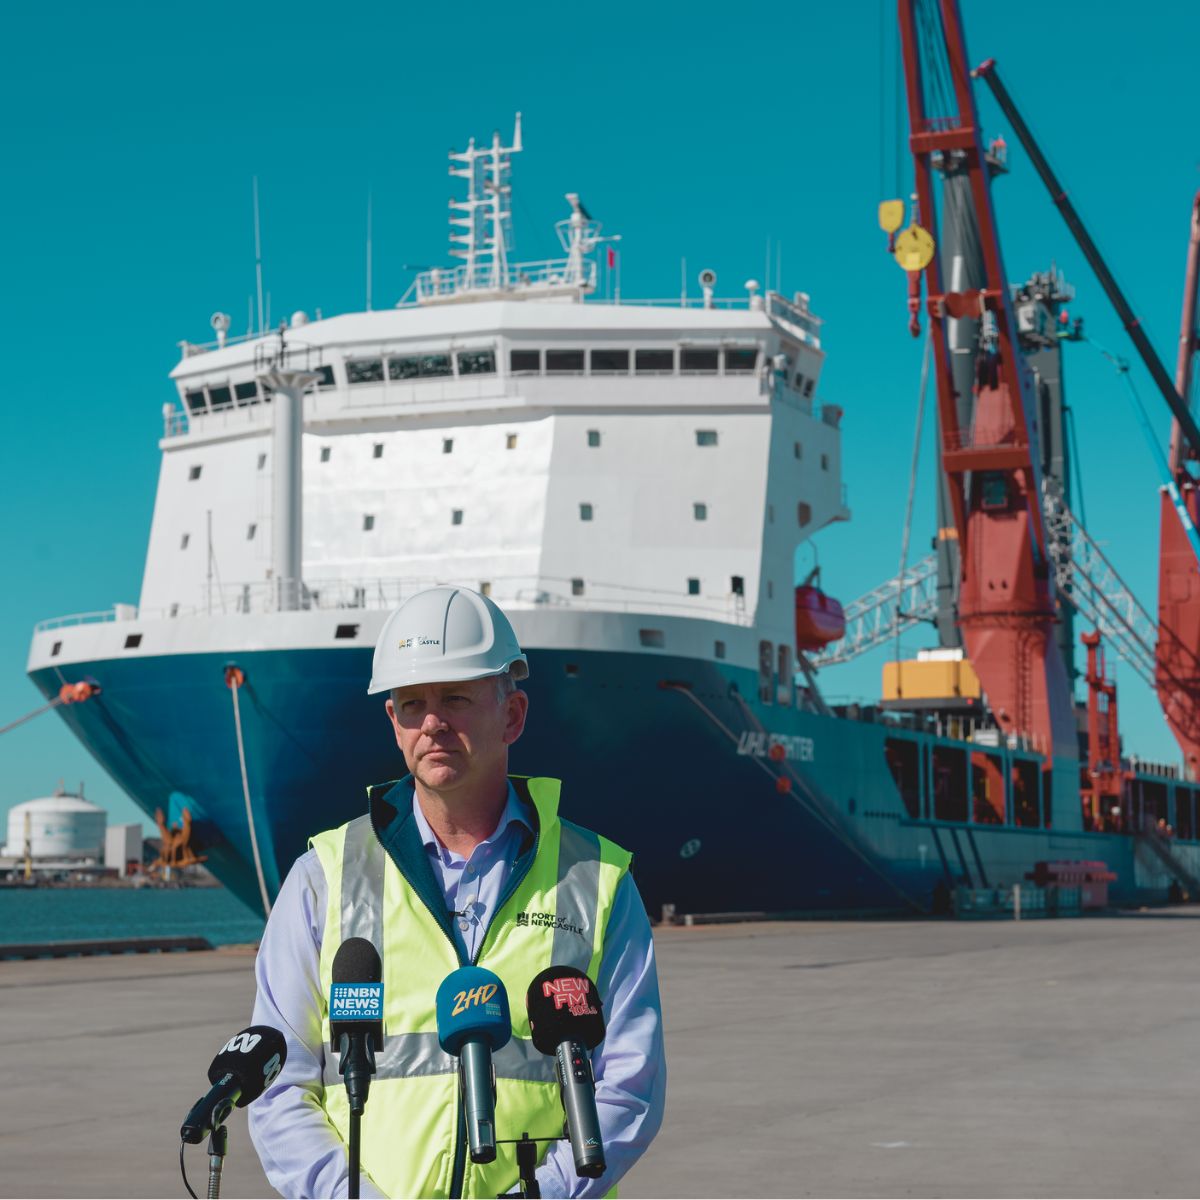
(472, 1021)
(243, 1069)
(566, 1020)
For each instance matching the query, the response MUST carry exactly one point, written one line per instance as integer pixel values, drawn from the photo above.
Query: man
(456, 863)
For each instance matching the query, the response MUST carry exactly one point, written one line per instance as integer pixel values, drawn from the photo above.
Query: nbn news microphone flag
(356, 1002)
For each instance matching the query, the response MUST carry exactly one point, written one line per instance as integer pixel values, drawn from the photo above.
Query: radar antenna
(481, 225)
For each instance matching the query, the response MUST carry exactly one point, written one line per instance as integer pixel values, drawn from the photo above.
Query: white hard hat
(443, 635)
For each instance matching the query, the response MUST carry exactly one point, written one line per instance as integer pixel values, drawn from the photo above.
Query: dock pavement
(1039, 1058)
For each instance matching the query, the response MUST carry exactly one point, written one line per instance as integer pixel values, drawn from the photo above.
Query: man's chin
(439, 773)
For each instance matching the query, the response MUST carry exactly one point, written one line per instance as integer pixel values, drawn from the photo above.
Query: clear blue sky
(133, 132)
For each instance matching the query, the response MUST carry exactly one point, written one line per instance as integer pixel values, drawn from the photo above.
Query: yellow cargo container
(930, 679)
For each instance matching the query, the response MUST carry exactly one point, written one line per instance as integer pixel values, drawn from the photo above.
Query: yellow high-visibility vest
(553, 912)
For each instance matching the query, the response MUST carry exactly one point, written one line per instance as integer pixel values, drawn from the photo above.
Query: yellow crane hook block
(891, 215)
(914, 248)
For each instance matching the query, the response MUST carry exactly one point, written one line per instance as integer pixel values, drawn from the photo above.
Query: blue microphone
(472, 1021)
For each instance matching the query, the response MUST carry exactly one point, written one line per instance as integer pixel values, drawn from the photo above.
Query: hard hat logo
(476, 640)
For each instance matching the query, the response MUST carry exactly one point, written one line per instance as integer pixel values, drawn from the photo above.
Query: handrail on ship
(382, 594)
(797, 315)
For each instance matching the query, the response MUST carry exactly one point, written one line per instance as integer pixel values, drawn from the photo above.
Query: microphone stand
(527, 1164)
(354, 1152)
(218, 1143)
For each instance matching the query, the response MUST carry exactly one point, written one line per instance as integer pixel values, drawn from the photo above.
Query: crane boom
(1133, 326)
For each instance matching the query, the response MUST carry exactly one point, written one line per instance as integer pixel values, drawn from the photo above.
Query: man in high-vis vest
(456, 863)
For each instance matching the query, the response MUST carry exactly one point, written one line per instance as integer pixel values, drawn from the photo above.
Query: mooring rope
(234, 678)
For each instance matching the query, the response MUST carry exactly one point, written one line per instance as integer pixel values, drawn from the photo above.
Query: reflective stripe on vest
(556, 916)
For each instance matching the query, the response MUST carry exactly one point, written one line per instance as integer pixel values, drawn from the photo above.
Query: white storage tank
(61, 826)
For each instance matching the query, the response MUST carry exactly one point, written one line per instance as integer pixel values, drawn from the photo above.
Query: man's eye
(408, 706)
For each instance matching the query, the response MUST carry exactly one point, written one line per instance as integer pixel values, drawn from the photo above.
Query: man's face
(452, 734)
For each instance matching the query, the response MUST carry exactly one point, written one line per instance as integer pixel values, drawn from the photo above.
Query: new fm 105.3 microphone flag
(244, 1068)
(472, 1021)
(566, 1020)
(356, 1016)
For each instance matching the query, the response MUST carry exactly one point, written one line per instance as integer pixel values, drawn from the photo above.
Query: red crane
(1177, 673)
(1006, 596)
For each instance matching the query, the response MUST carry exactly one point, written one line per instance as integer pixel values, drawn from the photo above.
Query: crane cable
(912, 484)
(235, 678)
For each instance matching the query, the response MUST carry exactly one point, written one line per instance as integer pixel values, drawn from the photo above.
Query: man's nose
(434, 722)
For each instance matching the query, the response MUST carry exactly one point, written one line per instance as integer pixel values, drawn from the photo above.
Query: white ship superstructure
(498, 431)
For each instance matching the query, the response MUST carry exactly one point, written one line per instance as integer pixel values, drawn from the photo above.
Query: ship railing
(266, 597)
(548, 275)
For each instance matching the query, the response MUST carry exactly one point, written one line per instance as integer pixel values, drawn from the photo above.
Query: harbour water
(78, 914)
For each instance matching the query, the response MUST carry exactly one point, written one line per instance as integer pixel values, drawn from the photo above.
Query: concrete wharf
(1040, 1058)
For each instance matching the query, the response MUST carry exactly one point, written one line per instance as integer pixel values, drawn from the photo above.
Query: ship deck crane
(1006, 596)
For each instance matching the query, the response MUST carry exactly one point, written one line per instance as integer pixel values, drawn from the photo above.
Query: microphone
(472, 1021)
(243, 1069)
(566, 1020)
(356, 1016)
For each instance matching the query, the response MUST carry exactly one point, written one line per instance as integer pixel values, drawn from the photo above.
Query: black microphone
(356, 1016)
(243, 1069)
(566, 1020)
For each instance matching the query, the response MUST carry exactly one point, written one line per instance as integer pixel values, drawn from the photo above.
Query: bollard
(1016, 901)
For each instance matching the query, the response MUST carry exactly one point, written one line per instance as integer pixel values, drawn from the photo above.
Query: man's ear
(516, 709)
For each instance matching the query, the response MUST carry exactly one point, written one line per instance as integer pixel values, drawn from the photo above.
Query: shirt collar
(515, 812)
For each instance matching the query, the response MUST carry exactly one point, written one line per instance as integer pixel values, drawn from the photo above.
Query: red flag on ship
(612, 257)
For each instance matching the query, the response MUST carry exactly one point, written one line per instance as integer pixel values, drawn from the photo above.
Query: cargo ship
(630, 480)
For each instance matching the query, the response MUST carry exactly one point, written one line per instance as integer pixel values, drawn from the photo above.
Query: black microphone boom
(566, 1020)
(244, 1068)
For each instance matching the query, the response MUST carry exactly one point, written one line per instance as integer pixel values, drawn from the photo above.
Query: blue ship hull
(677, 759)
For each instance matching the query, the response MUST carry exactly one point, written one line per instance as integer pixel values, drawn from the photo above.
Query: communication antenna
(368, 250)
(258, 270)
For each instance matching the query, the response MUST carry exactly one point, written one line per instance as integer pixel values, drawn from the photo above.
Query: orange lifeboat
(819, 618)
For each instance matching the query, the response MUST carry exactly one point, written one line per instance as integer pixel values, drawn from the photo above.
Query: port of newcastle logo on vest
(543, 920)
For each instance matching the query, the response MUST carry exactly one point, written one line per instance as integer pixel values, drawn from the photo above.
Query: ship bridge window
(262, 461)
(610, 362)
(694, 360)
(693, 587)
(364, 370)
(564, 362)
(706, 437)
(654, 362)
(420, 366)
(1025, 793)
(904, 762)
(326, 379)
(741, 361)
(949, 784)
(525, 362)
(476, 362)
(220, 397)
(326, 453)
(808, 388)
(987, 789)
(447, 445)
(700, 511)
(593, 438)
(194, 472)
(246, 392)
(194, 401)
(585, 512)
(377, 450)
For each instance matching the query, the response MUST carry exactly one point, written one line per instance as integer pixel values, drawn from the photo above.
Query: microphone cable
(183, 1170)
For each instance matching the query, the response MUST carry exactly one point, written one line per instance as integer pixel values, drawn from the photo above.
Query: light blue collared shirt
(302, 1153)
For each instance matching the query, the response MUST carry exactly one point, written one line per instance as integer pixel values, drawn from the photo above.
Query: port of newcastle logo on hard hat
(409, 643)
